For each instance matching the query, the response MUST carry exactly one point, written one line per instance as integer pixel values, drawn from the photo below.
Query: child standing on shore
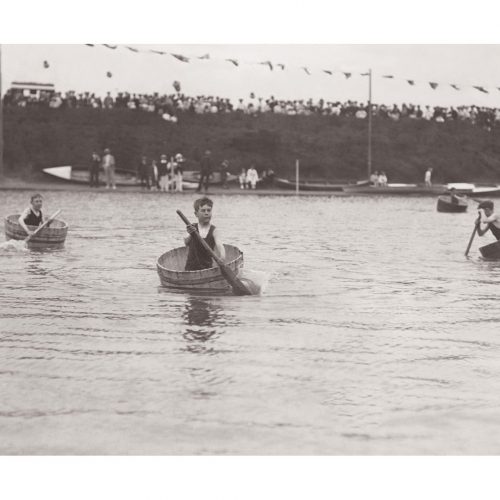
(198, 258)
(32, 215)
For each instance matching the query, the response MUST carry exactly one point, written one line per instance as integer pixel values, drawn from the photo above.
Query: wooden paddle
(472, 237)
(237, 285)
(41, 226)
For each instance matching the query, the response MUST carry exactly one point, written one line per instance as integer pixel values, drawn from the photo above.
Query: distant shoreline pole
(369, 123)
(296, 176)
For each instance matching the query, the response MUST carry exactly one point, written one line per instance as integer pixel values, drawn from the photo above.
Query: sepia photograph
(249, 249)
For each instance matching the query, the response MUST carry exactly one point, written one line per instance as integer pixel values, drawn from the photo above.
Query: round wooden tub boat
(491, 251)
(51, 237)
(446, 204)
(170, 267)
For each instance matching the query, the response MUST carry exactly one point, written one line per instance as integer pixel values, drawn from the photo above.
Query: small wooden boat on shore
(52, 237)
(421, 189)
(123, 177)
(491, 251)
(308, 185)
(193, 176)
(81, 175)
(170, 267)
(451, 204)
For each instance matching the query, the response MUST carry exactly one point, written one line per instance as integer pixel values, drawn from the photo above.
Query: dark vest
(33, 219)
(198, 258)
(495, 230)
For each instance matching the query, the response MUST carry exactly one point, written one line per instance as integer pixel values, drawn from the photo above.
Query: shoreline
(10, 184)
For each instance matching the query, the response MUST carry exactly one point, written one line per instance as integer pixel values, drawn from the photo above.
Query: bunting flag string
(236, 62)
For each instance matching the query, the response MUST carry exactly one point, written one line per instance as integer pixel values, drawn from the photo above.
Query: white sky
(80, 68)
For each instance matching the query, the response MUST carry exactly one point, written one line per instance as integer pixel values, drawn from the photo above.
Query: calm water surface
(375, 335)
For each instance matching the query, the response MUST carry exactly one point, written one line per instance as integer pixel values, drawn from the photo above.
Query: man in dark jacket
(205, 171)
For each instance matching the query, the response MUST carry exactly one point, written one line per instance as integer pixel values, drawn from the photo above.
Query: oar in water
(20, 244)
(237, 285)
(472, 237)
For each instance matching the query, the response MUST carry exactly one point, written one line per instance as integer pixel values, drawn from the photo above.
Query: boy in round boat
(32, 215)
(488, 219)
(198, 258)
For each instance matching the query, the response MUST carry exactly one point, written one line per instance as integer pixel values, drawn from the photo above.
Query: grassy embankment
(328, 147)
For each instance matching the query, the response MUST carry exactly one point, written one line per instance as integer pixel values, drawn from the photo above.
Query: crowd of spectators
(170, 106)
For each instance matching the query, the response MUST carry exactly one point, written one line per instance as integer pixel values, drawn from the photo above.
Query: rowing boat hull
(307, 186)
(445, 204)
(52, 237)
(394, 189)
(170, 267)
(491, 251)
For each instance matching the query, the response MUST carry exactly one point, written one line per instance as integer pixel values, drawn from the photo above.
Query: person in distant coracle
(32, 216)
(198, 258)
(488, 219)
(95, 164)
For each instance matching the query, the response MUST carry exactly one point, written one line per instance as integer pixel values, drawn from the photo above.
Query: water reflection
(202, 317)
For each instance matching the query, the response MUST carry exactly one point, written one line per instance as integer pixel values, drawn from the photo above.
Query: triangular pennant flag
(268, 63)
(433, 85)
(109, 74)
(161, 53)
(364, 74)
(180, 57)
(347, 75)
(177, 86)
(132, 49)
(282, 66)
(327, 71)
(110, 46)
(90, 45)
(387, 76)
(453, 85)
(204, 56)
(306, 70)
(46, 64)
(481, 89)
(234, 61)
(411, 82)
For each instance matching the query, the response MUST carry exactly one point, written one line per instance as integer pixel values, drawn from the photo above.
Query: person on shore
(243, 179)
(108, 165)
(488, 219)
(374, 179)
(224, 166)
(427, 177)
(163, 173)
(205, 171)
(198, 257)
(171, 166)
(155, 179)
(32, 215)
(178, 172)
(95, 164)
(252, 177)
(143, 174)
(382, 179)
